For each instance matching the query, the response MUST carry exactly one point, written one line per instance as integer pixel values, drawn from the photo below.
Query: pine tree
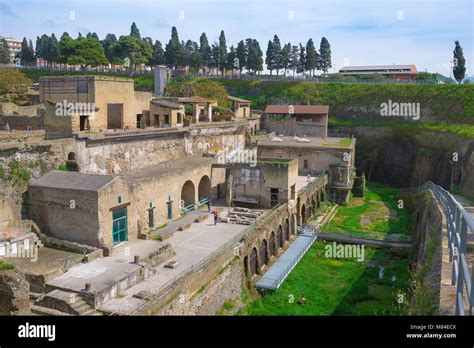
(294, 59)
(302, 61)
(277, 53)
(325, 54)
(241, 55)
(231, 60)
(311, 62)
(26, 56)
(254, 56)
(134, 31)
(459, 64)
(270, 57)
(158, 57)
(205, 51)
(285, 57)
(4, 52)
(174, 51)
(222, 52)
(108, 45)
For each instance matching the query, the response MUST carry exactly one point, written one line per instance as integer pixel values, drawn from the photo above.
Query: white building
(13, 45)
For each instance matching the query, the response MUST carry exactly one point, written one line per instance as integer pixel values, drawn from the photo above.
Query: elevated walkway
(278, 272)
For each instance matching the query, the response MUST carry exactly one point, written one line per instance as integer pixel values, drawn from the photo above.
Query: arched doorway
(188, 194)
(253, 262)
(263, 252)
(204, 188)
(280, 237)
(287, 230)
(271, 245)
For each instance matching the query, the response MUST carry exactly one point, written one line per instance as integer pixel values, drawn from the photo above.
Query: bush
(6, 266)
(18, 173)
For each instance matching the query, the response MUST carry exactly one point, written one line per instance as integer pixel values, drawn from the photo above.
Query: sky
(361, 32)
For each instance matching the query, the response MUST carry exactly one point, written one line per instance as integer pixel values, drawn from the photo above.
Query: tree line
(134, 51)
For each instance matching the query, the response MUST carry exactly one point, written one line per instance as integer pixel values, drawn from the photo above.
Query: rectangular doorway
(114, 116)
(119, 226)
(139, 120)
(273, 197)
(83, 123)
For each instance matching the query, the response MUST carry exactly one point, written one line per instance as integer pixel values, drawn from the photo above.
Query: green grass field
(337, 286)
(375, 216)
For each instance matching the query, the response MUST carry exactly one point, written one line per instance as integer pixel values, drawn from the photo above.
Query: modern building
(394, 72)
(13, 45)
(299, 120)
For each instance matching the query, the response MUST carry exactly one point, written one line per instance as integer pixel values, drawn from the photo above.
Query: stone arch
(263, 253)
(293, 224)
(280, 237)
(271, 244)
(204, 188)
(188, 193)
(253, 262)
(71, 156)
(287, 230)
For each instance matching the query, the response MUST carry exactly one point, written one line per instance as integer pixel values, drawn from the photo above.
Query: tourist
(209, 205)
(7, 127)
(216, 216)
(308, 179)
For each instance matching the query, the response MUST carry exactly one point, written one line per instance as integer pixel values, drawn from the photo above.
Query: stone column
(209, 112)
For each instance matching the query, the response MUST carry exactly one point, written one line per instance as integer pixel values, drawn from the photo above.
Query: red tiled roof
(297, 109)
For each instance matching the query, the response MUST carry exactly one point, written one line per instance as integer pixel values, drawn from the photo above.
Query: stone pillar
(195, 114)
(209, 112)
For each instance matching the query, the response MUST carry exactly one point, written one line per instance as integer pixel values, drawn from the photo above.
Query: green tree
(85, 51)
(302, 61)
(222, 52)
(241, 55)
(52, 49)
(108, 43)
(134, 31)
(270, 57)
(325, 56)
(215, 51)
(294, 59)
(311, 62)
(231, 57)
(138, 51)
(158, 57)
(277, 53)
(27, 56)
(459, 63)
(174, 51)
(66, 48)
(4, 52)
(285, 57)
(254, 56)
(13, 81)
(205, 51)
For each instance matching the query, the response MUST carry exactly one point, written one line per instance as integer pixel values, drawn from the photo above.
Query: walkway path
(278, 272)
(369, 242)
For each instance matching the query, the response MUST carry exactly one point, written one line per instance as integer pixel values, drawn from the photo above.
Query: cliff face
(407, 158)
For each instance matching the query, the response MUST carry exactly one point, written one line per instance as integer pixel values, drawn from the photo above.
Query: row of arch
(188, 191)
(261, 254)
(264, 250)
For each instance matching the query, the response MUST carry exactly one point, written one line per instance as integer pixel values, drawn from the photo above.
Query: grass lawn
(375, 216)
(333, 286)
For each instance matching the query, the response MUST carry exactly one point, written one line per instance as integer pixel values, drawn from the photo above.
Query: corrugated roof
(297, 109)
(73, 180)
(377, 67)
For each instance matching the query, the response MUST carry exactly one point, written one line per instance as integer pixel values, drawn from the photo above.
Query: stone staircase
(58, 302)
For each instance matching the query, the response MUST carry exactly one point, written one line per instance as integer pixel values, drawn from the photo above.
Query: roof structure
(195, 100)
(166, 103)
(73, 180)
(297, 109)
(379, 69)
(239, 100)
(307, 142)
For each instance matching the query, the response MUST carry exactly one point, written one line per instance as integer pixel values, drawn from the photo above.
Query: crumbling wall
(14, 293)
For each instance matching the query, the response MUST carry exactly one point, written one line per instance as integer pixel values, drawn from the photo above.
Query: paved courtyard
(192, 246)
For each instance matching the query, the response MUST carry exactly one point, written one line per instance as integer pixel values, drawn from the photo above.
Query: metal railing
(459, 224)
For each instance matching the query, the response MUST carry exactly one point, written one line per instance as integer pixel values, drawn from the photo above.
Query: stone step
(46, 311)
(66, 302)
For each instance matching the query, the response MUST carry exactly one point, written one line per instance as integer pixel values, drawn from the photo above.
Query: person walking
(216, 216)
(209, 205)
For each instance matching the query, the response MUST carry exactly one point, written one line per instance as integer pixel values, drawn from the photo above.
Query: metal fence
(459, 224)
